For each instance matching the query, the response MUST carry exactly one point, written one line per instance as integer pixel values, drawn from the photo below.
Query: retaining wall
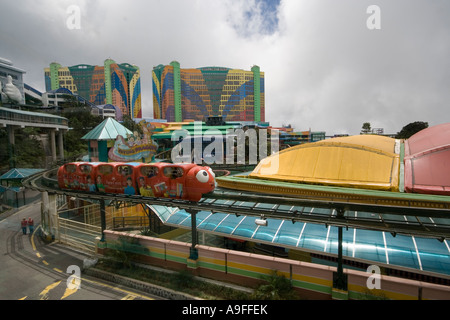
(312, 281)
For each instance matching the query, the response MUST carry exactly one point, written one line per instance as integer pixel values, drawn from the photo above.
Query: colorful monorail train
(179, 181)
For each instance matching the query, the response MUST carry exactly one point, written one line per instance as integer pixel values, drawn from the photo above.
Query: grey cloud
(324, 69)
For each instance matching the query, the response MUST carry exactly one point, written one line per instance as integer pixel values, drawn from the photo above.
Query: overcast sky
(325, 70)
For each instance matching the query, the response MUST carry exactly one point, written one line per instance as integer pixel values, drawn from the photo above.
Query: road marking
(44, 293)
(32, 238)
(69, 291)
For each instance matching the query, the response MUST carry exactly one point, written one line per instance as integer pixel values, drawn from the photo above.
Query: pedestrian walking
(30, 225)
(24, 224)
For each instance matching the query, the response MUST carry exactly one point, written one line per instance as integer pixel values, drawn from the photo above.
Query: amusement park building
(16, 75)
(416, 165)
(199, 93)
(112, 83)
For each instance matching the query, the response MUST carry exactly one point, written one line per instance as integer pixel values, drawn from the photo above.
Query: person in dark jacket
(24, 224)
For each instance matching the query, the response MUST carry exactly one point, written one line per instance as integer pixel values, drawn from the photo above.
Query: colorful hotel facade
(198, 93)
(112, 83)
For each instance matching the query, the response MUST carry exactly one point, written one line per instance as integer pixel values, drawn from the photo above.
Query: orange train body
(178, 181)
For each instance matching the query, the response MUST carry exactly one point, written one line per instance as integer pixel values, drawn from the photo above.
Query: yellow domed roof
(365, 161)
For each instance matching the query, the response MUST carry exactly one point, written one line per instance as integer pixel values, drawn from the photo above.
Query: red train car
(115, 177)
(76, 175)
(180, 181)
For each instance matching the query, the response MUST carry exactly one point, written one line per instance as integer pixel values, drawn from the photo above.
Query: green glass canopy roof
(424, 254)
(109, 129)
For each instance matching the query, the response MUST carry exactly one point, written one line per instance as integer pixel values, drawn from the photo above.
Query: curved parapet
(365, 161)
(427, 161)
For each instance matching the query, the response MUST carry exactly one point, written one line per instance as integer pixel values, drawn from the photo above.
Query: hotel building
(112, 83)
(199, 93)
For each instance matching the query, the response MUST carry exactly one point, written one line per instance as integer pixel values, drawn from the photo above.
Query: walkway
(13, 119)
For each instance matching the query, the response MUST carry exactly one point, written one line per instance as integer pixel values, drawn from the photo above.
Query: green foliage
(275, 287)
(28, 151)
(411, 128)
(366, 128)
(123, 252)
(81, 121)
(129, 123)
(183, 279)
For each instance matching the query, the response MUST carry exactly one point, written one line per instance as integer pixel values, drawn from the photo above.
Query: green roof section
(19, 173)
(194, 129)
(246, 180)
(109, 129)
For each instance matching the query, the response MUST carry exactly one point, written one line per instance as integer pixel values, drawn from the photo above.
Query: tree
(366, 128)
(276, 287)
(129, 123)
(26, 153)
(81, 121)
(410, 129)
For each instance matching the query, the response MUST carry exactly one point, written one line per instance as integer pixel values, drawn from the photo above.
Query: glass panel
(149, 171)
(347, 241)
(105, 169)
(71, 168)
(86, 169)
(401, 251)
(313, 237)
(246, 228)
(178, 217)
(212, 221)
(369, 245)
(173, 172)
(289, 233)
(266, 233)
(434, 255)
(125, 170)
(229, 224)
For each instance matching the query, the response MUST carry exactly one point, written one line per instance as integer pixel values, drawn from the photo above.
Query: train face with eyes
(178, 181)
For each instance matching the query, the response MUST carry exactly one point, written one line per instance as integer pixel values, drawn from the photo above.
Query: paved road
(33, 270)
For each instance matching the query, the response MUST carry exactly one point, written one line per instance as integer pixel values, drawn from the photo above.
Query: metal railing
(130, 222)
(78, 234)
(34, 118)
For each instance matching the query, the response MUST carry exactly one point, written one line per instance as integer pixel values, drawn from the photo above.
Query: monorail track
(408, 220)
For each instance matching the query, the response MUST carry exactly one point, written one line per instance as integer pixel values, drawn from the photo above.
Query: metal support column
(193, 253)
(60, 145)
(339, 278)
(11, 147)
(102, 218)
(149, 215)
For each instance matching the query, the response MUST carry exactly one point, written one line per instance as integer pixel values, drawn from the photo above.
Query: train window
(71, 168)
(124, 170)
(149, 171)
(105, 169)
(85, 169)
(173, 172)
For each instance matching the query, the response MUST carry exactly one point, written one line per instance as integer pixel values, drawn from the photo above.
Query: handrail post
(193, 252)
(102, 218)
